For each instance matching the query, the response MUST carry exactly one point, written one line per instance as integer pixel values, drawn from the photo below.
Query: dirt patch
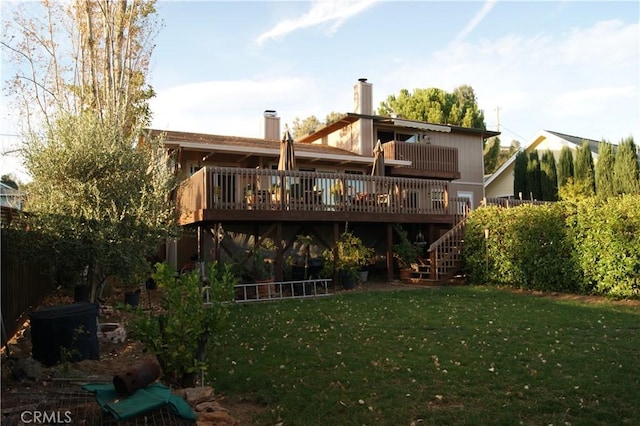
(575, 297)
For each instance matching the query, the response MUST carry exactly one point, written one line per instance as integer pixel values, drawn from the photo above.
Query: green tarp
(142, 401)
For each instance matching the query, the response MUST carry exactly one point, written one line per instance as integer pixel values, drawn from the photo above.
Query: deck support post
(389, 252)
(279, 256)
(336, 237)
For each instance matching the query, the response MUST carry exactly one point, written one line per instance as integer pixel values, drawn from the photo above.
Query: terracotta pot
(405, 274)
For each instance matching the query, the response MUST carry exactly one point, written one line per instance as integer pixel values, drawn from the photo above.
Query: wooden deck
(237, 194)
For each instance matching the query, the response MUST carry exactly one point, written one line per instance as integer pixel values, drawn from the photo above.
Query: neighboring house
(10, 197)
(232, 186)
(500, 183)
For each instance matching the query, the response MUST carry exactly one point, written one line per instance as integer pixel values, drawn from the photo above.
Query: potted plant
(351, 256)
(250, 196)
(405, 253)
(337, 191)
(263, 273)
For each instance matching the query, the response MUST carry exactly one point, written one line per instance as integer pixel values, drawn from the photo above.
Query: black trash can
(314, 268)
(65, 333)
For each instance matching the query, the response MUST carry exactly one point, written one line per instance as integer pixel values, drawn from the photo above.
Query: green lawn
(463, 355)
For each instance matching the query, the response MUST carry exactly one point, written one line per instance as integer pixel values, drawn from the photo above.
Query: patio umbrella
(287, 154)
(287, 157)
(378, 160)
(378, 170)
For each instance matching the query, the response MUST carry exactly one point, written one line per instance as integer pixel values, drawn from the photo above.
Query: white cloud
(322, 11)
(476, 20)
(235, 107)
(590, 101)
(583, 81)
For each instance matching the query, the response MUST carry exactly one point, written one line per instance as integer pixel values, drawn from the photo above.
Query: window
(405, 137)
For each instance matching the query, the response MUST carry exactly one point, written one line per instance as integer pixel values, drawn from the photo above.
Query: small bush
(185, 329)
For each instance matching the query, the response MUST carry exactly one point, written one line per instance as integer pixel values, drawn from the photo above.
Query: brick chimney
(271, 129)
(363, 97)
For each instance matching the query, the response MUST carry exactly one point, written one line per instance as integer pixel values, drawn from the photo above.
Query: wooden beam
(389, 252)
(279, 256)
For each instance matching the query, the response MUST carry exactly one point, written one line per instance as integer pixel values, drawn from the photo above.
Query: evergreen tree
(626, 176)
(548, 177)
(565, 166)
(585, 176)
(520, 188)
(604, 170)
(491, 153)
(533, 176)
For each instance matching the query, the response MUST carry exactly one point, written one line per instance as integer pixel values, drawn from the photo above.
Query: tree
(304, 127)
(565, 166)
(491, 154)
(98, 198)
(79, 56)
(604, 170)
(102, 205)
(520, 187)
(625, 173)
(332, 117)
(533, 176)
(548, 177)
(434, 105)
(584, 169)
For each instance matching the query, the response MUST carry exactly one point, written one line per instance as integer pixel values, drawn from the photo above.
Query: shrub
(185, 329)
(527, 247)
(607, 248)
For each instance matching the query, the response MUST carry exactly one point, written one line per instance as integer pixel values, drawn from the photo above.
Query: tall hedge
(606, 245)
(590, 246)
(526, 248)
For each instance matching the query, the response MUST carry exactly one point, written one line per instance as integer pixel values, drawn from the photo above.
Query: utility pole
(498, 115)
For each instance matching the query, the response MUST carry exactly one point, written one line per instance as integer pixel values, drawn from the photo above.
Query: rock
(195, 396)
(217, 418)
(111, 332)
(209, 406)
(27, 368)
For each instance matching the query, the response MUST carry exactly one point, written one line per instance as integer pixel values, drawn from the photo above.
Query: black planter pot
(348, 280)
(132, 298)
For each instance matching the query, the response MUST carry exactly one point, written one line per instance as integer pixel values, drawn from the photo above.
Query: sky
(567, 66)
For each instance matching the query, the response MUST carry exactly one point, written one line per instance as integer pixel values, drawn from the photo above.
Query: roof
(265, 147)
(593, 144)
(351, 117)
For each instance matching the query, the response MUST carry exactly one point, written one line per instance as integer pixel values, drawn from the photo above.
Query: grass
(462, 356)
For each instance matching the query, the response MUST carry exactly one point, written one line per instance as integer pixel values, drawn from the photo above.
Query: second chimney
(271, 129)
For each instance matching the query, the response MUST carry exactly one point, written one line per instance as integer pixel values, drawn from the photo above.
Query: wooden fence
(24, 285)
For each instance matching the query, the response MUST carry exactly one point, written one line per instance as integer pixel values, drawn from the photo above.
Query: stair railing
(445, 253)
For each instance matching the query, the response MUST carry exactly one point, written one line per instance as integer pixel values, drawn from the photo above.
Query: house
(10, 197)
(500, 183)
(234, 199)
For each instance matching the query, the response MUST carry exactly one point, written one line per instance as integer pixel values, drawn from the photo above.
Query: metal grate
(71, 405)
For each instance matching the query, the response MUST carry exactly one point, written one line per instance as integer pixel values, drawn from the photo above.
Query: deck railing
(224, 188)
(439, 160)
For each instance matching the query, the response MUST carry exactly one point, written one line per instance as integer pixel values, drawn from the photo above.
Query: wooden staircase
(445, 260)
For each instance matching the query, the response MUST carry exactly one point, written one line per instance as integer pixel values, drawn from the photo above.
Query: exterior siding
(502, 186)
